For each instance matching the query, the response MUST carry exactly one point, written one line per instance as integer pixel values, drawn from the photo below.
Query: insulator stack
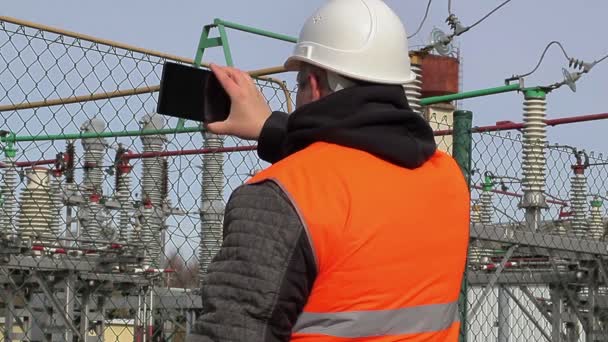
(534, 160)
(476, 213)
(559, 228)
(413, 90)
(535, 142)
(36, 209)
(92, 215)
(578, 196)
(123, 196)
(487, 208)
(485, 213)
(134, 237)
(152, 188)
(145, 236)
(212, 204)
(56, 202)
(8, 200)
(596, 220)
(475, 254)
(94, 152)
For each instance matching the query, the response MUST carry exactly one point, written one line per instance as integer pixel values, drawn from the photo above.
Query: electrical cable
(598, 196)
(600, 60)
(426, 14)
(542, 57)
(487, 15)
(458, 28)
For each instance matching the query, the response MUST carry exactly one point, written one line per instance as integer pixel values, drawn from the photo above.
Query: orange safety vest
(389, 243)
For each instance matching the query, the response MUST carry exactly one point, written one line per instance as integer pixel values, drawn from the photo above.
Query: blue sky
(507, 43)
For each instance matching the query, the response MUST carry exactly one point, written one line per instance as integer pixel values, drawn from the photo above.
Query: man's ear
(316, 91)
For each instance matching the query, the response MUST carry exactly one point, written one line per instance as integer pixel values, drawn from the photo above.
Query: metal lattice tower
(534, 159)
(36, 210)
(152, 194)
(212, 202)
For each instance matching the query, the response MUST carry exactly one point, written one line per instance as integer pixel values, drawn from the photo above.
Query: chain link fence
(536, 282)
(109, 213)
(103, 201)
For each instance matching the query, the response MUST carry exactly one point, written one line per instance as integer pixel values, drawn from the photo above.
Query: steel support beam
(527, 313)
(519, 278)
(493, 280)
(503, 315)
(509, 234)
(56, 305)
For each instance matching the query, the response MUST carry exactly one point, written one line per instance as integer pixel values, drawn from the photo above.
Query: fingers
(226, 78)
(219, 127)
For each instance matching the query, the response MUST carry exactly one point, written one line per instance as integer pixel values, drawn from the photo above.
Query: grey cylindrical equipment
(123, 196)
(94, 152)
(534, 159)
(413, 90)
(8, 200)
(152, 191)
(56, 202)
(475, 250)
(212, 201)
(487, 208)
(483, 215)
(596, 220)
(92, 215)
(578, 199)
(35, 211)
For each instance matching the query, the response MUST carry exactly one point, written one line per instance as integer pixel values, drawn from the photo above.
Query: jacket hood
(373, 118)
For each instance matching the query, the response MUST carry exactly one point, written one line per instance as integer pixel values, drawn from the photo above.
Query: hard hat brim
(294, 63)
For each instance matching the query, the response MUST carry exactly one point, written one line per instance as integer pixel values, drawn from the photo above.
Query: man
(359, 229)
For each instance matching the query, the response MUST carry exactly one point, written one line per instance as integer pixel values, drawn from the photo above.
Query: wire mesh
(100, 238)
(544, 284)
(108, 235)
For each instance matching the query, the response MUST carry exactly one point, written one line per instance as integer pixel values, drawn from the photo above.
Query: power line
(426, 14)
(458, 28)
(600, 60)
(542, 57)
(487, 15)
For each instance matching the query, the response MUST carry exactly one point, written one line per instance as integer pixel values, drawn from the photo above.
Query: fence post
(461, 151)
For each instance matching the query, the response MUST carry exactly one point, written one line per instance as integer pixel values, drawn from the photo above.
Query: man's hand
(248, 111)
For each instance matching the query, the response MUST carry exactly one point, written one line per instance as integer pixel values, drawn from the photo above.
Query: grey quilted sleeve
(259, 282)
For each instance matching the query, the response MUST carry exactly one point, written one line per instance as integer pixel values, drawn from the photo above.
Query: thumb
(220, 127)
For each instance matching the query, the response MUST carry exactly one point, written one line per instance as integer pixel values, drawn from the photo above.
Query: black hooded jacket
(259, 282)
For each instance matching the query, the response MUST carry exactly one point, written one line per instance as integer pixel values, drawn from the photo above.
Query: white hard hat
(361, 39)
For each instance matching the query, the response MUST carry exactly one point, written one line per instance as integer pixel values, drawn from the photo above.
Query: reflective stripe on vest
(419, 319)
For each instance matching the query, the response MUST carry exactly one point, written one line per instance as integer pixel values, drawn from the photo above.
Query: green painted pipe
(469, 94)
(70, 136)
(535, 93)
(254, 30)
(461, 150)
